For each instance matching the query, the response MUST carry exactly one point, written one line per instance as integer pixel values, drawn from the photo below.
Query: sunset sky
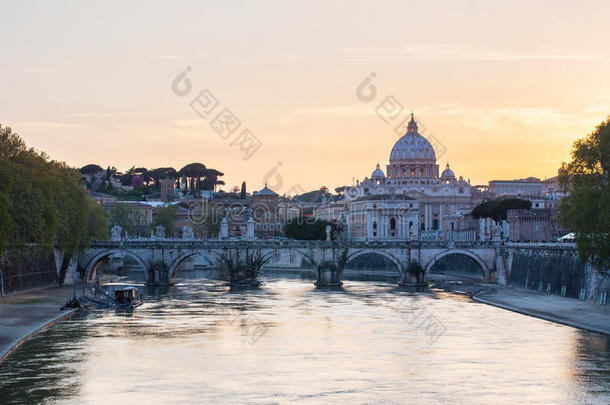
(505, 87)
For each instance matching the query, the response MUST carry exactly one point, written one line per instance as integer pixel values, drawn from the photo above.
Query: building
(530, 186)
(166, 189)
(331, 211)
(264, 211)
(383, 217)
(533, 225)
(413, 175)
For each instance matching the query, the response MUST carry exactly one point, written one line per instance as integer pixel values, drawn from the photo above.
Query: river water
(369, 342)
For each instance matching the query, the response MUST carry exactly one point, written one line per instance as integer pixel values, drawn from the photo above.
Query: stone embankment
(26, 313)
(567, 311)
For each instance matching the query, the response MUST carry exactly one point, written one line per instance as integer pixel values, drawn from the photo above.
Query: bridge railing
(285, 243)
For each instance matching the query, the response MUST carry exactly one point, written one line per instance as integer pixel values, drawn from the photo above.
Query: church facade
(411, 200)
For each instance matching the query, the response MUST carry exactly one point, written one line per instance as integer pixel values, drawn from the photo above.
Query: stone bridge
(162, 257)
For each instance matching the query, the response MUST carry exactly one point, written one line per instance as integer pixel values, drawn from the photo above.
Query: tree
(42, 202)
(193, 172)
(127, 217)
(314, 196)
(209, 217)
(211, 180)
(162, 173)
(498, 208)
(307, 229)
(91, 169)
(213, 218)
(166, 217)
(586, 211)
(97, 223)
(242, 193)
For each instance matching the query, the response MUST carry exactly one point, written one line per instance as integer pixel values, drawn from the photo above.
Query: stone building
(413, 173)
(166, 189)
(533, 225)
(383, 217)
(265, 213)
(530, 186)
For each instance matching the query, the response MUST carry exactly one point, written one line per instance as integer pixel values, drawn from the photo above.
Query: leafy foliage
(586, 211)
(127, 217)
(42, 201)
(497, 209)
(91, 169)
(166, 217)
(311, 229)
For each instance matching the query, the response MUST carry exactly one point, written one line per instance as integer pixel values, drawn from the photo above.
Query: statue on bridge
(116, 232)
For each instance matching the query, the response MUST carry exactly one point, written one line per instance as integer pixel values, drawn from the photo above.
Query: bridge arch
(482, 265)
(173, 267)
(304, 253)
(93, 262)
(353, 255)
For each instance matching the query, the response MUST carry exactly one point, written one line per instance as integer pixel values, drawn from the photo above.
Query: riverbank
(26, 313)
(566, 311)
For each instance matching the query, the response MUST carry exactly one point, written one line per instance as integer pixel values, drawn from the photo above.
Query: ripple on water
(366, 342)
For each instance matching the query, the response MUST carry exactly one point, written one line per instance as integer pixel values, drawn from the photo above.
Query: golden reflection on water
(290, 342)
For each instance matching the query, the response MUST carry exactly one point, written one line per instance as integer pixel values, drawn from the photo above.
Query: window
(271, 227)
(374, 233)
(374, 225)
(392, 224)
(264, 227)
(435, 224)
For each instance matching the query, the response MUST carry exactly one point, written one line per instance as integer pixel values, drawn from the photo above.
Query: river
(369, 342)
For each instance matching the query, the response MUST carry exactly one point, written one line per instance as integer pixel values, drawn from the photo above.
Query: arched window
(392, 223)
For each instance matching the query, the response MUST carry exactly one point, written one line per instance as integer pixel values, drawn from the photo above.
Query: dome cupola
(412, 155)
(448, 173)
(378, 173)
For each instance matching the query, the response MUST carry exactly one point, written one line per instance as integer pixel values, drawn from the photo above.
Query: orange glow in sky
(505, 88)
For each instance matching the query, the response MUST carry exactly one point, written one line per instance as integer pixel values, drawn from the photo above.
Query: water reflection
(288, 341)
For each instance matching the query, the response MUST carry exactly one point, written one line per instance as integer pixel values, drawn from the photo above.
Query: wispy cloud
(430, 51)
(476, 52)
(174, 57)
(19, 125)
(94, 114)
(354, 109)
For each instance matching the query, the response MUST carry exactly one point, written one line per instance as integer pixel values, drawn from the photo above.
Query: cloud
(474, 52)
(111, 114)
(175, 57)
(354, 109)
(430, 51)
(43, 125)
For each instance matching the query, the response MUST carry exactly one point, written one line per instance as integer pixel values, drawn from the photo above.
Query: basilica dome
(412, 156)
(412, 146)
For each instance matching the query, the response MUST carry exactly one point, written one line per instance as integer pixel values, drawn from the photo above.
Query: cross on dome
(412, 126)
